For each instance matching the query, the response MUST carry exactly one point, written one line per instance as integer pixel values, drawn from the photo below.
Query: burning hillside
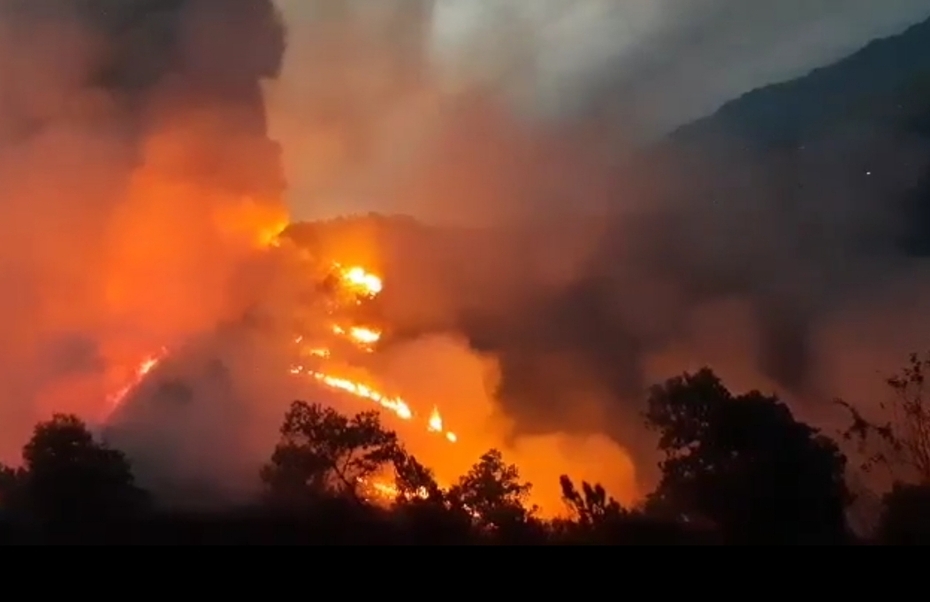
(333, 343)
(358, 286)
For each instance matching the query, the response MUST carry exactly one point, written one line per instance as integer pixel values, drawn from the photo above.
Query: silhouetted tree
(590, 507)
(414, 481)
(10, 487)
(424, 510)
(322, 452)
(744, 464)
(900, 443)
(906, 515)
(493, 494)
(594, 517)
(68, 478)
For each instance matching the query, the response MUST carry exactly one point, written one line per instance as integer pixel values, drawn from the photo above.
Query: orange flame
(435, 421)
(360, 281)
(360, 335)
(386, 490)
(142, 370)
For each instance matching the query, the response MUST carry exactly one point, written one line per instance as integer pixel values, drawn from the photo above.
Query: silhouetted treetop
(744, 463)
(590, 507)
(323, 452)
(66, 475)
(493, 492)
(900, 440)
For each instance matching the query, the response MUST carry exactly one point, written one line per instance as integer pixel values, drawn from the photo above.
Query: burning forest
(156, 299)
(178, 343)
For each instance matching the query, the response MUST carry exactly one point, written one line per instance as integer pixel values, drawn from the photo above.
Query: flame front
(355, 281)
(148, 364)
(396, 405)
(360, 282)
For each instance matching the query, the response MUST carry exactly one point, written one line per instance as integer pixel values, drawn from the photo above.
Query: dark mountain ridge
(887, 81)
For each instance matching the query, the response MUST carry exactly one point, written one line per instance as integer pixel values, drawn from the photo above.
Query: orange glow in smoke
(359, 281)
(320, 363)
(144, 368)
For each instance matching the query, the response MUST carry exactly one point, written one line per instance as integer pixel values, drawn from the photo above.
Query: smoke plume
(137, 178)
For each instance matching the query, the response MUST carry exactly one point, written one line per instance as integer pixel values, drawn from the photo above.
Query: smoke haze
(139, 178)
(136, 177)
(769, 268)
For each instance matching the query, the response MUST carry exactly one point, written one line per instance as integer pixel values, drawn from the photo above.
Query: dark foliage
(906, 516)
(67, 479)
(745, 465)
(73, 489)
(737, 469)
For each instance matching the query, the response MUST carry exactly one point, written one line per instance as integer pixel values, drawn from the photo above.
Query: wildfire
(360, 335)
(435, 421)
(358, 280)
(434, 425)
(387, 491)
(363, 335)
(142, 370)
(396, 405)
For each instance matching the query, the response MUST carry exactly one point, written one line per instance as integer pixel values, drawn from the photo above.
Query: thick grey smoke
(137, 178)
(654, 64)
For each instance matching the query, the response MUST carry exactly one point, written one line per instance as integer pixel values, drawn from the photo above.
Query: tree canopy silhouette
(591, 507)
(744, 464)
(415, 482)
(493, 493)
(68, 477)
(322, 452)
(900, 441)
